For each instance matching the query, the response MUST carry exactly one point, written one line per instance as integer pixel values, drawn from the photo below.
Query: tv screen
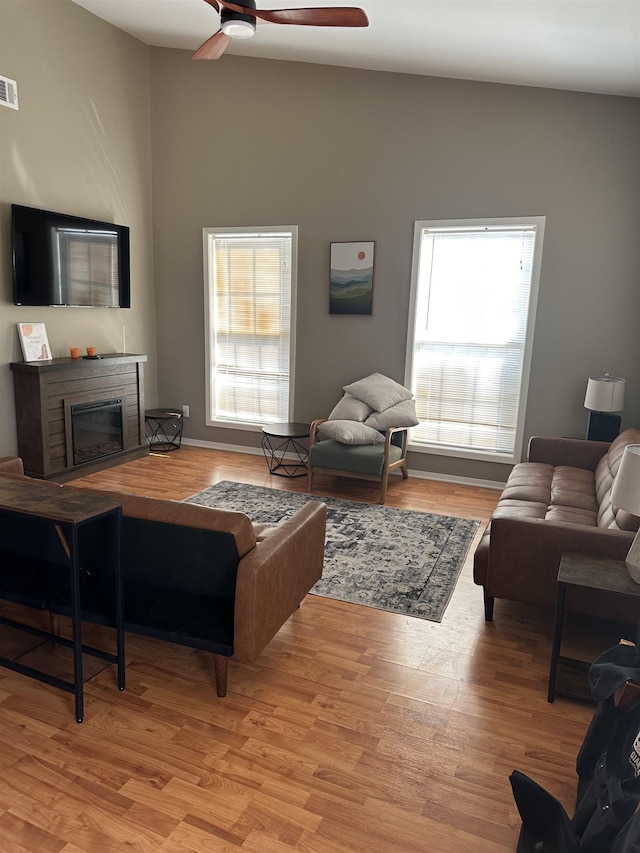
(68, 260)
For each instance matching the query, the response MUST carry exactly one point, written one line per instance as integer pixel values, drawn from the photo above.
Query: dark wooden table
(52, 514)
(580, 570)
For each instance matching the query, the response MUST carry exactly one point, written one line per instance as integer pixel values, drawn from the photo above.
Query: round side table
(280, 441)
(163, 429)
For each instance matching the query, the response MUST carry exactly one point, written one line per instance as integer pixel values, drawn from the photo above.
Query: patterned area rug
(392, 559)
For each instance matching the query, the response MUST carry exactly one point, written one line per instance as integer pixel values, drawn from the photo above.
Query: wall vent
(8, 93)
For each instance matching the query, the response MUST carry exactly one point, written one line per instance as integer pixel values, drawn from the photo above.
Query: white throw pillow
(350, 432)
(401, 415)
(350, 409)
(378, 391)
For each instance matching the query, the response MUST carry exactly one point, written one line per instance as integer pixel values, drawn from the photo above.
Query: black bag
(613, 794)
(546, 827)
(628, 839)
(608, 767)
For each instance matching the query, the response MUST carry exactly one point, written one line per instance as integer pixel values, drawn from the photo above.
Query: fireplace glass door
(96, 430)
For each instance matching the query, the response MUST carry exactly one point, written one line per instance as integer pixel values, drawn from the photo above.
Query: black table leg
(76, 624)
(557, 640)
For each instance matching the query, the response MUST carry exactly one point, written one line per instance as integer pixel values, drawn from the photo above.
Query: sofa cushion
(574, 487)
(362, 459)
(529, 481)
(263, 531)
(608, 515)
(520, 509)
(572, 515)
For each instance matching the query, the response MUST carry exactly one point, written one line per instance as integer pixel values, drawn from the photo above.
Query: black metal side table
(163, 429)
(283, 451)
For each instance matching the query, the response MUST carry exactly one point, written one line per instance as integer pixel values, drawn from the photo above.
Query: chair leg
(309, 478)
(383, 486)
(405, 470)
(221, 665)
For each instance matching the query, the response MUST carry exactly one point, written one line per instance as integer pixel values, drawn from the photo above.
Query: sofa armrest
(524, 555)
(575, 452)
(11, 465)
(275, 576)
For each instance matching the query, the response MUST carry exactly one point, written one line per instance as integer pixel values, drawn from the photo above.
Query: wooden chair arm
(313, 429)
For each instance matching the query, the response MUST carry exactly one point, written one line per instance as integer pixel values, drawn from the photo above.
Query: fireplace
(96, 429)
(46, 391)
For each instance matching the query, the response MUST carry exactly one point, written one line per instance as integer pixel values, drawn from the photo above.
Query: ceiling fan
(238, 21)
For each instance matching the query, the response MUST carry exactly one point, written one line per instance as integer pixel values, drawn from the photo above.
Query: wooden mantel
(44, 392)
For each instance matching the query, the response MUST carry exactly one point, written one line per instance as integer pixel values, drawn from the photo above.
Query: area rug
(391, 559)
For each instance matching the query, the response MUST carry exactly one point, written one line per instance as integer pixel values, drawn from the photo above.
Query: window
(249, 292)
(474, 291)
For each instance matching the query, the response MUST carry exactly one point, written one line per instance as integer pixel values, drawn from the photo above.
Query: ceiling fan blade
(213, 3)
(213, 48)
(336, 16)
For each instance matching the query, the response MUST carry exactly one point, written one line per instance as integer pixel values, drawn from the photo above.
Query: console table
(55, 542)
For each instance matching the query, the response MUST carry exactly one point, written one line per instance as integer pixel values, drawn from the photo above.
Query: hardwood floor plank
(356, 731)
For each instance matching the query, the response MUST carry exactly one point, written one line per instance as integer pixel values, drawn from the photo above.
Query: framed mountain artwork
(351, 287)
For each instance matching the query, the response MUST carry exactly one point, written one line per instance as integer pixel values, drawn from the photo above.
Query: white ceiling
(582, 45)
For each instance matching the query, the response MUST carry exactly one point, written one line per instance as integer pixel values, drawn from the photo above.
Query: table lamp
(605, 395)
(626, 496)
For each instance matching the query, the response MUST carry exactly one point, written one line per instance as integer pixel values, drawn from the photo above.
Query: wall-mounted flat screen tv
(68, 260)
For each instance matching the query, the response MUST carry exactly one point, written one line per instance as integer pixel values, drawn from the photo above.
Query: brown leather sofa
(208, 578)
(558, 501)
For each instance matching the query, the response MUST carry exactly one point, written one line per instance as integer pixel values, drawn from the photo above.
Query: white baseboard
(420, 475)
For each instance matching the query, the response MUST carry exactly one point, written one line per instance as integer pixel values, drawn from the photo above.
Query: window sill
(462, 453)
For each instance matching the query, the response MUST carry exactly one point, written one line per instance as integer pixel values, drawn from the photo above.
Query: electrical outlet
(185, 411)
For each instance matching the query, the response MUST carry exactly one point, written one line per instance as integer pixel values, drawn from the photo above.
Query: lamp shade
(604, 394)
(626, 486)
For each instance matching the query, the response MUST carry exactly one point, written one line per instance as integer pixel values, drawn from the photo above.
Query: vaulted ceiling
(581, 45)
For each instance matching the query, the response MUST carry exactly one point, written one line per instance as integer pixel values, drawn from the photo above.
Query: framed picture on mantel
(34, 341)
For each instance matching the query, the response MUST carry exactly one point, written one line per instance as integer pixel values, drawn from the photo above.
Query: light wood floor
(356, 730)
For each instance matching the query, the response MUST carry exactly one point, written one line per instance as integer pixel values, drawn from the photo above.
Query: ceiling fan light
(239, 29)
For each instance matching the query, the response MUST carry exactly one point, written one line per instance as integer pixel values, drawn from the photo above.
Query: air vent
(8, 93)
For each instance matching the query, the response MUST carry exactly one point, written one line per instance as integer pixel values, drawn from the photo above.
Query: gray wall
(79, 144)
(345, 155)
(359, 155)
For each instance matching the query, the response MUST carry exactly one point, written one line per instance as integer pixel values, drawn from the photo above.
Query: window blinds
(250, 302)
(472, 302)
